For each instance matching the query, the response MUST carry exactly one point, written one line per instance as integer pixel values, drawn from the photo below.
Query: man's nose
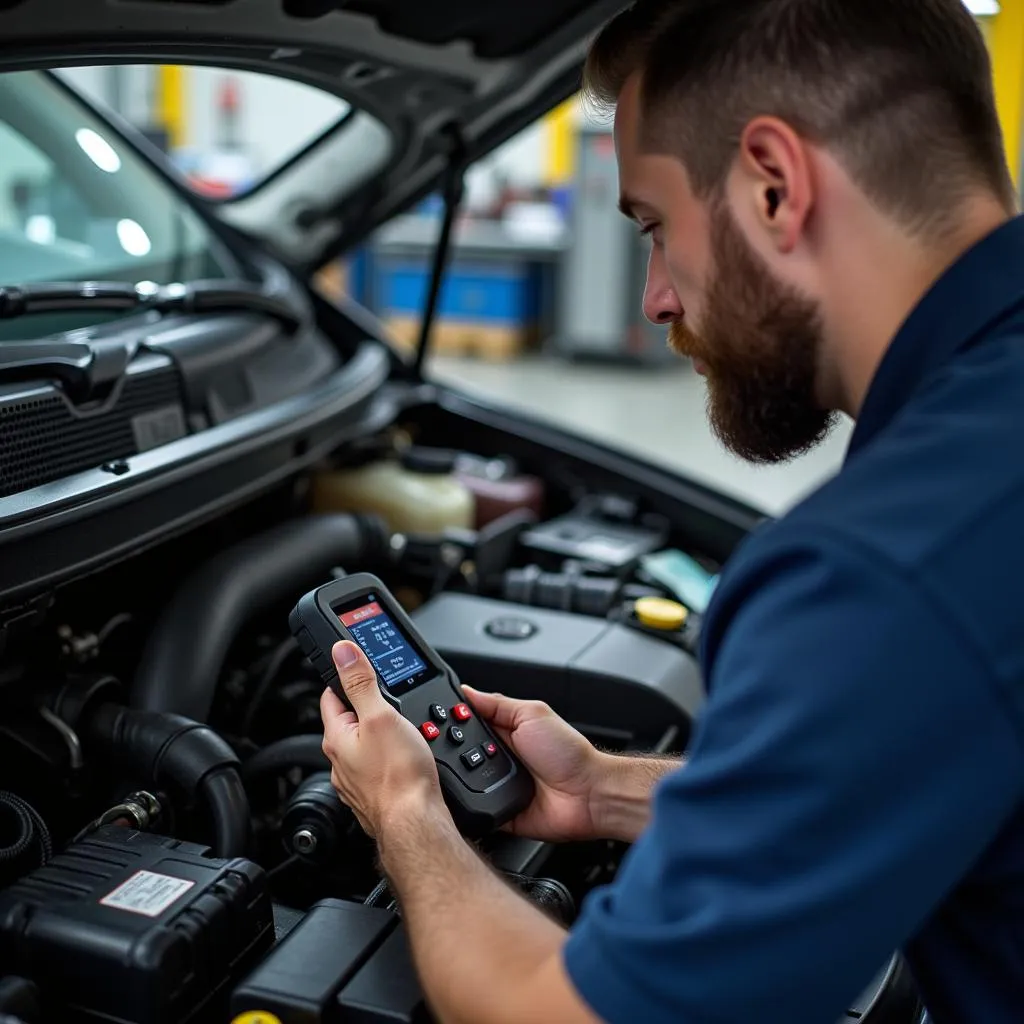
(661, 304)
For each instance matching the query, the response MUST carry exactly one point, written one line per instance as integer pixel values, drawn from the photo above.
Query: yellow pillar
(170, 103)
(560, 130)
(1006, 43)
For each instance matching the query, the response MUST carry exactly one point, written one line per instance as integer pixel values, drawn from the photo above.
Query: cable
(70, 737)
(377, 894)
(139, 810)
(27, 827)
(280, 869)
(382, 896)
(302, 751)
(115, 623)
(275, 663)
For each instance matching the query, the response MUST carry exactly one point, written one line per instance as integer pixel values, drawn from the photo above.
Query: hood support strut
(454, 189)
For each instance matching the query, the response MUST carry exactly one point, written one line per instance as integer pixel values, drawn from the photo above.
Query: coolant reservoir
(418, 494)
(498, 487)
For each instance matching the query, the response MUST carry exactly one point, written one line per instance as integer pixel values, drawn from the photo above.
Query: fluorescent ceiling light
(133, 238)
(41, 229)
(982, 8)
(98, 150)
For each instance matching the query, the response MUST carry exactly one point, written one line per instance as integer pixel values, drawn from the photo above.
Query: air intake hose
(183, 659)
(183, 756)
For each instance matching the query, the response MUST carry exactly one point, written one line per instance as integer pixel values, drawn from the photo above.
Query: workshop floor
(656, 412)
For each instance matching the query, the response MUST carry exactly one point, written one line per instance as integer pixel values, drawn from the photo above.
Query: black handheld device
(484, 784)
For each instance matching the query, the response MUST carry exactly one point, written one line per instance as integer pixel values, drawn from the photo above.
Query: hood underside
(430, 81)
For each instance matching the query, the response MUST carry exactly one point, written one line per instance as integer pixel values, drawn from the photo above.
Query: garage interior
(540, 307)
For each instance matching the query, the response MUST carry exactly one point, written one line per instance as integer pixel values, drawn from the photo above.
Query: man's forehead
(626, 137)
(627, 112)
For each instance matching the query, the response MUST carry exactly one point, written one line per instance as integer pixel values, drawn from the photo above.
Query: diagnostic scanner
(483, 783)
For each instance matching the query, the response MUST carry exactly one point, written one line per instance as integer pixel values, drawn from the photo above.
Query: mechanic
(834, 231)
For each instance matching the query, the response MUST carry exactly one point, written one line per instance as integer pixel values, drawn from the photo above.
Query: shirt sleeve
(852, 762)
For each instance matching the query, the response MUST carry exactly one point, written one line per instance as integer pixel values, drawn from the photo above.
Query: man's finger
(337, 718)
(358, 679)
(331, 706)
(493, 707)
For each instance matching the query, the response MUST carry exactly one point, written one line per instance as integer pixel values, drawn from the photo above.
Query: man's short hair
(899, 90)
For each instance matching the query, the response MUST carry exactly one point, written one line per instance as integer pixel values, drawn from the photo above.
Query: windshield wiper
(193, 297)
(81, 368)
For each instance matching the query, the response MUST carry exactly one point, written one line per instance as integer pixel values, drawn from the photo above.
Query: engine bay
(169, 836)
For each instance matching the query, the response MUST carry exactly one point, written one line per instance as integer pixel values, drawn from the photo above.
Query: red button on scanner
(430, 730)
(462, 712)
(490, 748)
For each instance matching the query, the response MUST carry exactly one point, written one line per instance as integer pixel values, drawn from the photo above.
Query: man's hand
(582, 792)
(565, 765)
(380, 763)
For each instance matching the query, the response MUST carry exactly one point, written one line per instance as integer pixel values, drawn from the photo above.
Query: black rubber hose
(302, 751)
(224, 796)
(176, 752)
(185, 654)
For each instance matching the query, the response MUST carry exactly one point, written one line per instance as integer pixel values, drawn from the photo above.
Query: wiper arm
(79, 366)
(115, 296)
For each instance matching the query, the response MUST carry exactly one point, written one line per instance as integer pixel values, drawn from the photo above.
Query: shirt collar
(977, 290)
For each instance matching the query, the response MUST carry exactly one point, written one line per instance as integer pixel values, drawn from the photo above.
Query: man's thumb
(358, 679)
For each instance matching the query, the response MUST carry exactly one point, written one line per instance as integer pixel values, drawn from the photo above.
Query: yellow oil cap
(660, 613)
(256, 1017)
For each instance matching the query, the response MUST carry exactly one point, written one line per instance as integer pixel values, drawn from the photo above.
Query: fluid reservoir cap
(256, 1017)
(660, 613)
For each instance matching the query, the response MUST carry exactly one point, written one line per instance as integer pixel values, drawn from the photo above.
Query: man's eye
(651, 231)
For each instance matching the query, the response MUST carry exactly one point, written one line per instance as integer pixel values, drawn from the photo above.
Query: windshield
(77, 203)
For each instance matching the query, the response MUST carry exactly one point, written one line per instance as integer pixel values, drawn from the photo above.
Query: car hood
(432, 82)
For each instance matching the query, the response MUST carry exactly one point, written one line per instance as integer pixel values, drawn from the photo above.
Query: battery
(130, 927)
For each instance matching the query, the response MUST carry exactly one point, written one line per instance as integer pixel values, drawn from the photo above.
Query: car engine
(171, 847)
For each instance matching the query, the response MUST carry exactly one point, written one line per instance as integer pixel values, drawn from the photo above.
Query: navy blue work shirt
(856, 777)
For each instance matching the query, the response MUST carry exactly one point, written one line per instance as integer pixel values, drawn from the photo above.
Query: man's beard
(760, 341)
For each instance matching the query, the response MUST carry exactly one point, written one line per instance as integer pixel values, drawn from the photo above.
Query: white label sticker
(147, 892)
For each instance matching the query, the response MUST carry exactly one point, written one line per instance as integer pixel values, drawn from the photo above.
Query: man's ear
(776, 179)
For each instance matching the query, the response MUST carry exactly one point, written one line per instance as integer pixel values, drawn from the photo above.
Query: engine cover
(603, 676)
(126, 926)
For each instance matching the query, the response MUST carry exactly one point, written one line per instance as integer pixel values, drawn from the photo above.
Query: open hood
(434, 84)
